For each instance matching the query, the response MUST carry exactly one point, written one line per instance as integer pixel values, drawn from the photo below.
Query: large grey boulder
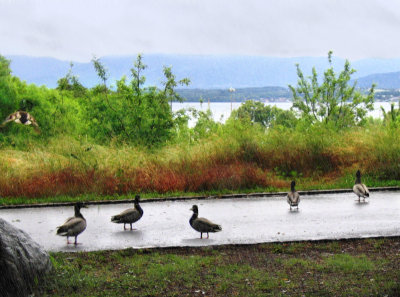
(23, 262)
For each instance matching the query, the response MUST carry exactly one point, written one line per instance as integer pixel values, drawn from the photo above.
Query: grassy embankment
(368, 267)
(235, 159)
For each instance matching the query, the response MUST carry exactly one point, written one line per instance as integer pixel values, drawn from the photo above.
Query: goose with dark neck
(130, 215)
(202, 225)
(359, 188)
(293, 197)
(73, 226)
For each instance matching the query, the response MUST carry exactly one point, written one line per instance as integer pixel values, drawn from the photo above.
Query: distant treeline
(239, 95)
(264, 93)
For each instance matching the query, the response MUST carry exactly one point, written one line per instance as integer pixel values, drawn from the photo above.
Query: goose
(75, 225)
(21, 117)
(130, 215)
(202, 225)
(359, 188)
(293, 197)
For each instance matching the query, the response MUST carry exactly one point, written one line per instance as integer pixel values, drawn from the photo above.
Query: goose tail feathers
(217, 228)
(61, 231)
(116, 219)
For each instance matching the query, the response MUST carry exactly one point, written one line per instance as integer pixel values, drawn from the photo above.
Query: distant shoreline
(393, 100)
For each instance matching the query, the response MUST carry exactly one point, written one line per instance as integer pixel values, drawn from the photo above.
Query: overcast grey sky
(75, 30)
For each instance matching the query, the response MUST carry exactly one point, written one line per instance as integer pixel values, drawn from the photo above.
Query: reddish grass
(153, 178)
(247, 168)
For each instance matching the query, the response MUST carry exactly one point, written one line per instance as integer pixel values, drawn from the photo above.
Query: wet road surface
(243, 221)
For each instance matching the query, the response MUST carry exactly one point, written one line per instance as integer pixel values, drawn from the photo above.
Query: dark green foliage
(54, 110)
(132, 113)
(8, 94)
(71, 83)
(128, 112)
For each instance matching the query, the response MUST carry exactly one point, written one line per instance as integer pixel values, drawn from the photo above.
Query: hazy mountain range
(207, 72)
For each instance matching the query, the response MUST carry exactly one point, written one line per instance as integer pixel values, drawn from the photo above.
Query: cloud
(75, 30)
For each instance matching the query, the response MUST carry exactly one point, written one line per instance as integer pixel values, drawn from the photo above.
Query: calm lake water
(222, 110)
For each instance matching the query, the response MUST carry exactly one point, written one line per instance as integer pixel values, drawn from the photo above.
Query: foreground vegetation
(110, 141)
(368, 267)
(236, 158)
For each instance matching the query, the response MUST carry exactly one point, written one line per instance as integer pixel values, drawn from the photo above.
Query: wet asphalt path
(244, 221)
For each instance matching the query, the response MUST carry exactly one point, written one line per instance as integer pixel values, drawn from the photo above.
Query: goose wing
(361, 190)
(130, 215)
(204, 225)
(365, 190)
(32, 120)
(293, 198)
(67, 220)
(9, 118)
(73, 226)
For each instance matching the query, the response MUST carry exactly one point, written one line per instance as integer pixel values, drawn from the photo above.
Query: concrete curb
(245, 245)
(227, 196)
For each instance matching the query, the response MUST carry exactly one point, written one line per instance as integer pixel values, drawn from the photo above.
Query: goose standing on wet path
(293, 197)
(130, 215)
(202, 225)
(75, 225)
(359, 188)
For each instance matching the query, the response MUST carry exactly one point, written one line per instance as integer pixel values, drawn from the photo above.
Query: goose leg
(207, 235)
(124, 227)
(76, 238)
(131, 226)
(201, 235)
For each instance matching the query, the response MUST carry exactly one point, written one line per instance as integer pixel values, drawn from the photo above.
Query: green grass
(334, 268)
(238, 158)
(348, 264)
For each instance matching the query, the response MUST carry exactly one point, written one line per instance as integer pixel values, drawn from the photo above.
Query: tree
(171, 83)
(70, 82)
(133, 113)
(103, 75)
(138, 79)
(265, 115)
(336, 101)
